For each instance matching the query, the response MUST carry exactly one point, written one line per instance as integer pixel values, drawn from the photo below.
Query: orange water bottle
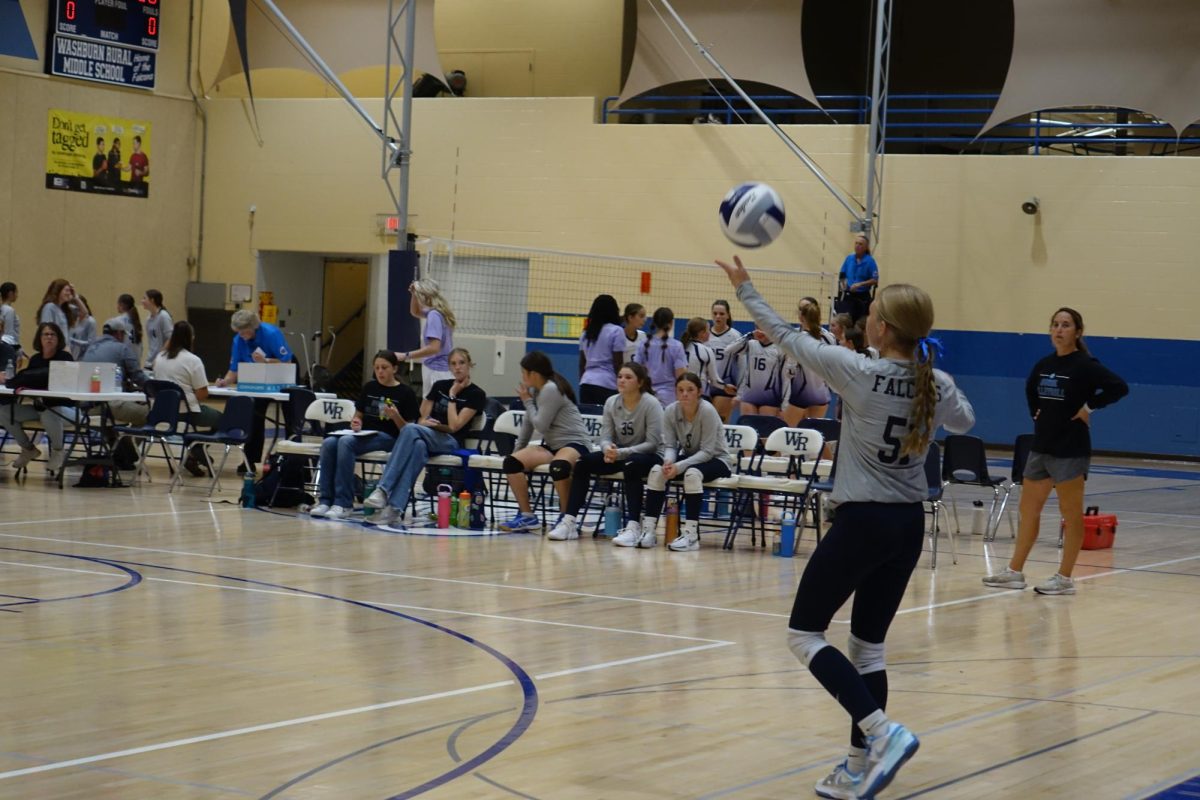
(671, 517)
(464, 510)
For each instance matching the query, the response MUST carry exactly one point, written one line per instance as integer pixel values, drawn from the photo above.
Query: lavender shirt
(436, 328)
(598, 356)
(661, 357)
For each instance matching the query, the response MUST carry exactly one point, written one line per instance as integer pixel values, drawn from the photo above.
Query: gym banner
(101, 155)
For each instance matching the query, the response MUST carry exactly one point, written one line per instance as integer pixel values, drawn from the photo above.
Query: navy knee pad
(560, 469)
(512, 465)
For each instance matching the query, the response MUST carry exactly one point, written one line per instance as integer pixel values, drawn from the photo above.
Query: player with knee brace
(630, 434)
(694, 451)
(551, 413)
(893, 405)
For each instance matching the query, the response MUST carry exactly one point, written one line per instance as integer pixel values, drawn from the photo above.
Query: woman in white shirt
(178, 364)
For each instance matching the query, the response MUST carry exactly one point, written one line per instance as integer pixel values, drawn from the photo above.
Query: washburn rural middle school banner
(103, 155)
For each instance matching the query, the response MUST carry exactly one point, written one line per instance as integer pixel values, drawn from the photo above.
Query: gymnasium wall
(1111, 239)
(105, 245)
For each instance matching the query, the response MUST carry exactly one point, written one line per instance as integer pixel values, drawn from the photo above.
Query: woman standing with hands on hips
(1062, 391)
(875, 540)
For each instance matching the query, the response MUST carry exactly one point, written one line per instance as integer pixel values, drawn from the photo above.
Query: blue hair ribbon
(927, 343)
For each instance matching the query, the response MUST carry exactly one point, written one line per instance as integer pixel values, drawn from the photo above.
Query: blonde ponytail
(908, 312)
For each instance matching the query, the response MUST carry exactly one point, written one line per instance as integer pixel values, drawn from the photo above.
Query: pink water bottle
(444, 491)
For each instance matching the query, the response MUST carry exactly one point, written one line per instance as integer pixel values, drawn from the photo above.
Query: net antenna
(396, 131)
(862, 216)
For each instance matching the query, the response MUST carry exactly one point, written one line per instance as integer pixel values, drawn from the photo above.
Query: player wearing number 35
(892, 407)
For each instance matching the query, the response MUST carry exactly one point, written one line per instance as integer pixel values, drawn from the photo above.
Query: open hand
(1083, 415)
(736, 271)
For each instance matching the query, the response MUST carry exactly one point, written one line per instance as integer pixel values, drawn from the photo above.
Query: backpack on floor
(282, 482)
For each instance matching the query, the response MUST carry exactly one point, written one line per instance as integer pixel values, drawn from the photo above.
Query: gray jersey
(633, 432)
(687, 444)
(555, 418)
(11, 324)
(877, 399)
(158, 332)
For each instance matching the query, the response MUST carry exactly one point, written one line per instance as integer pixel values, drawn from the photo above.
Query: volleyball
(752, 215)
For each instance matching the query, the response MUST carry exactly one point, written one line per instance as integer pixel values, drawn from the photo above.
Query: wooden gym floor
(163, 646)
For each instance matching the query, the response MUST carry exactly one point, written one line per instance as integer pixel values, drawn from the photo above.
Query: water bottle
(978, 518)
(478, 511)
(722, 504)
(443, 506)
(453, 510)
(247, 500)
(368, 487)
(95, 388)
(463, 518)
(672, 522)
(9, 370)
(119, 379)
(787, 537)
(612, 517)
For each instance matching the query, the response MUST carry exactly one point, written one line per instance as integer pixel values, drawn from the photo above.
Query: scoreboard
(109, 41)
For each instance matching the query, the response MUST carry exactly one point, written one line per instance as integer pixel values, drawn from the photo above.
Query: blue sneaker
(886, 754)
(521, 523)
(841, 784)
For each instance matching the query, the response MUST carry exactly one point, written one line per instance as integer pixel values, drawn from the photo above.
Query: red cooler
(1099, 530)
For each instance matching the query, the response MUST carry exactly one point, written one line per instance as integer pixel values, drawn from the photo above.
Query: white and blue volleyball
(752, 215)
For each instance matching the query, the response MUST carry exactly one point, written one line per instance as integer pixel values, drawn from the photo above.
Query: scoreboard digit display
(109, 41)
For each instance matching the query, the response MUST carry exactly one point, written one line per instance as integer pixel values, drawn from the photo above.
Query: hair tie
(927, 343)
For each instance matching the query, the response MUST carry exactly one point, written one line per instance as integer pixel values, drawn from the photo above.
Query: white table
(102, 453)
(279, 398)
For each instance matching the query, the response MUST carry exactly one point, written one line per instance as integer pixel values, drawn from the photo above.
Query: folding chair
(1021, 449)
(320, 417)
(233, 430)
(505, 431)
(936, 491)
(162, 423)
(802, 448)
(965, 464)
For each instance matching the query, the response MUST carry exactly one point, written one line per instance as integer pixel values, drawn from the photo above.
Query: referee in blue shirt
(254, 340)
(858, 278)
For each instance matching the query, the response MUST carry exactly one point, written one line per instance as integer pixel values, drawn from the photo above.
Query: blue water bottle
(247, 499)
(612, 517)
(722, 504)
(787, 537)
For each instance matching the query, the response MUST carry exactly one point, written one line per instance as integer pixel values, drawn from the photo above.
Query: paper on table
(348, 432)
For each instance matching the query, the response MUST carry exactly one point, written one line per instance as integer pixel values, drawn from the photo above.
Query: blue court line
(1185, 790)
(524, 680)
(134, 578)
(1034, 754)
(452, 750)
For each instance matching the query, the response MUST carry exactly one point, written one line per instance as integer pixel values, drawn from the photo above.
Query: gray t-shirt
(555, 418)
(107, 350)
(633, 432)
(158, 332)
(11, 324)
(687, 444)
(877, 399)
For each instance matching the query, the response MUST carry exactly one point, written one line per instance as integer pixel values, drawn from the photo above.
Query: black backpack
(282, 483)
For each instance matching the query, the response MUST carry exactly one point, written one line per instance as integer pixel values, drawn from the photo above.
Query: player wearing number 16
(892, 407)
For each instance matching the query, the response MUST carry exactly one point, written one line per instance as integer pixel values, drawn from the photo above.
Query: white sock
(875, 724)
(650, 524)
(856, 759)
(569, 519)
(691, 528)
(634, 526)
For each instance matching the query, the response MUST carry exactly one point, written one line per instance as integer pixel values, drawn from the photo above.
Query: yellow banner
(103, 155)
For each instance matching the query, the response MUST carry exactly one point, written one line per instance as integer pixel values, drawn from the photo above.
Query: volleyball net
(543, 296)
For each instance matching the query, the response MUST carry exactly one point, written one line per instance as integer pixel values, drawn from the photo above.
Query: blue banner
(14, 32)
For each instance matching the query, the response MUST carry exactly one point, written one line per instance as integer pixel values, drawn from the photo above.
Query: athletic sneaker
(629, 535)
(25, 457)
(685, 541)
(384, 516)
(565, 529)
(1006, 579)
(377, 499)
(1057, 584)
(319, 510)
(522, 523)
(886, 754)
(337, 512)
(649, 539)
(841, 784)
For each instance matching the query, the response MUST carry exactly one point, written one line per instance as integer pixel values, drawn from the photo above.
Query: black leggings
(594, 395)
(870, 552)
(711, 470)
(635, 468)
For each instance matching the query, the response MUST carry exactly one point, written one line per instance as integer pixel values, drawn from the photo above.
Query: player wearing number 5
(893, 405)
